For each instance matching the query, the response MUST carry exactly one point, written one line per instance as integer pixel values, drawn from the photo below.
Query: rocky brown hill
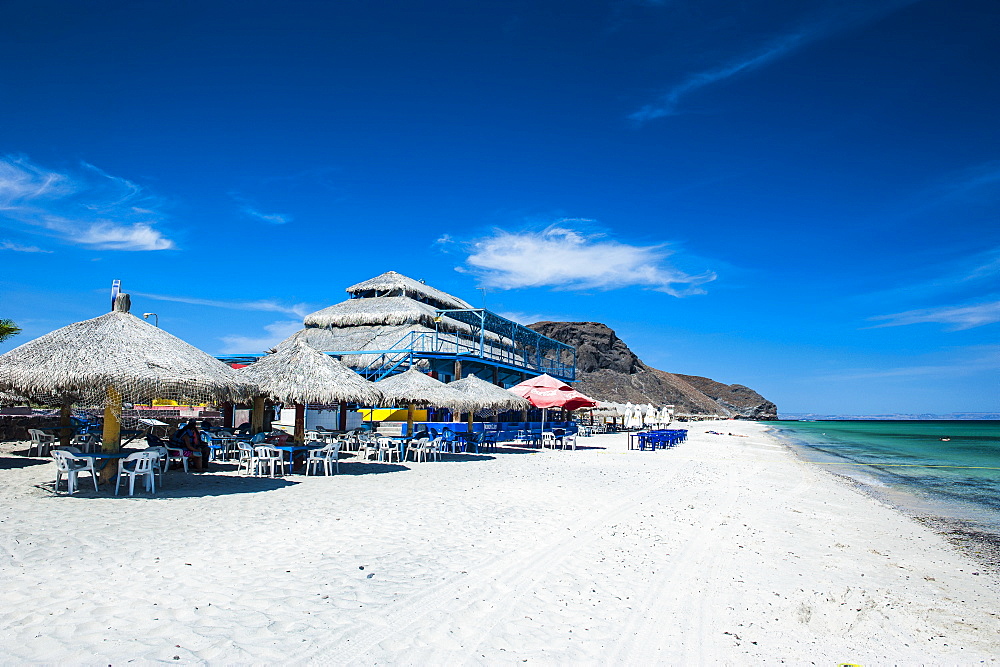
(609, 371)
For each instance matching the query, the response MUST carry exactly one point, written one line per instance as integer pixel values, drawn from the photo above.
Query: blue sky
(800, 196)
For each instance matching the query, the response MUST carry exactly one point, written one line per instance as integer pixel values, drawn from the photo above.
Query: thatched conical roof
(118, 350)
(414, 387)
(487, 397)
(380, 311)
(391, 283)
(299, 373)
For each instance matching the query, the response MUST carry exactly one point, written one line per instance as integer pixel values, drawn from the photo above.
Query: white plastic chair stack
(142, 466)
(71, 465)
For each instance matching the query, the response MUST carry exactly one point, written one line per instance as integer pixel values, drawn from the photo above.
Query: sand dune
(723, 549)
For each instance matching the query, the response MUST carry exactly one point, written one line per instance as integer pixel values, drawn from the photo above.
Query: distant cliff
(609, 371)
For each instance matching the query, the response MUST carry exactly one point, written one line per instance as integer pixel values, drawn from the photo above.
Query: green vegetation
(8, 329)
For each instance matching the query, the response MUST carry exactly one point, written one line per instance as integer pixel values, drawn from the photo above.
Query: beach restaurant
(391, 324)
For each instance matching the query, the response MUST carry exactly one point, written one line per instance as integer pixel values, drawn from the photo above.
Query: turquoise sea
(943, 469)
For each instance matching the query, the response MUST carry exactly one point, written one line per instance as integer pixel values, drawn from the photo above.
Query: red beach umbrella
(545, 391)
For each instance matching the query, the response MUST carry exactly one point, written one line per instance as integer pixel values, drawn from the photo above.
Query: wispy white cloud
(16, 247)
(273, 218)
(958, 317)
(666, 105)
(297, 309)
(842, 16)
(276, 332)
(961, 362)
(87, 207)
(529, 318)
(251, 209)
(564, 258)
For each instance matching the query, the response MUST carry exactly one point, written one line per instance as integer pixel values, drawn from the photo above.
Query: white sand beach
(723, 550)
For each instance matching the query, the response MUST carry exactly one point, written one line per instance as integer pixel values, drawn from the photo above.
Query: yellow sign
(391, 415)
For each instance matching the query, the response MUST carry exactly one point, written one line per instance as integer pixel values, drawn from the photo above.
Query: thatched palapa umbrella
(117, 358)
(487, 397)
(413, 388)
(300, 374)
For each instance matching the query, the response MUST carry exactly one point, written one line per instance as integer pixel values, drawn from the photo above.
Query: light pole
(156, 318)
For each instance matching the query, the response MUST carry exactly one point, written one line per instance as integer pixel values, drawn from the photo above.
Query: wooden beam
(300, 424)
(66, 432)
(112, 436)
(257, 415)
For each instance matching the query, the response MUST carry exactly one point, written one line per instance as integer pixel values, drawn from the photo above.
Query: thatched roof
(299, 373)
(118, 350)
(353, 338)
(487, 397)
(391, 283)
(376, 311)
(419, 389)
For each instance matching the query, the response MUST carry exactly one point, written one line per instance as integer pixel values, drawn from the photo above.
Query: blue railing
(417, 344)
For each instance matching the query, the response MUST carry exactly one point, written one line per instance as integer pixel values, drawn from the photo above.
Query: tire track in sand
(652, 636)
(512, 571)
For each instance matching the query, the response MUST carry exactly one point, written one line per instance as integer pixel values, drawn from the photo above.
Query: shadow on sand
(13, 463)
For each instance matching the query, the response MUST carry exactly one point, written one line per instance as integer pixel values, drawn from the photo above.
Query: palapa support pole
(410, 407)
(112, 436)
(471, 418)
(458, 369)
(66, 432)
(228, 414)
(300, 424)
(257, 415)
(342, 417)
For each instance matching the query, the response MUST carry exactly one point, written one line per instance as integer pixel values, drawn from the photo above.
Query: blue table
(104, 457)
(292, 449)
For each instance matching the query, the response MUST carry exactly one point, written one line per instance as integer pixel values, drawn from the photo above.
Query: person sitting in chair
(189, 439)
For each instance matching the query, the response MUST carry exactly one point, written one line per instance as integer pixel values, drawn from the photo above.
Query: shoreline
(974, 539)
(720, 550)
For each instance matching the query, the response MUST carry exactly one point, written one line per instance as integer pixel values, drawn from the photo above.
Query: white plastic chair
(387, 450)
(86, 442)
(418, 448)
(247, 457)
(548, 440)
(178, 455)
(435, 447)
(367, 447)
(67, 463)
(328, 457)
(569, 441)
(269, 457)
(160, 464)
(41, 441)
(142, 466)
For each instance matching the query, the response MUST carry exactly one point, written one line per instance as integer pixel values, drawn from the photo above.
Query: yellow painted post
(112, 436)
(257, 415)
